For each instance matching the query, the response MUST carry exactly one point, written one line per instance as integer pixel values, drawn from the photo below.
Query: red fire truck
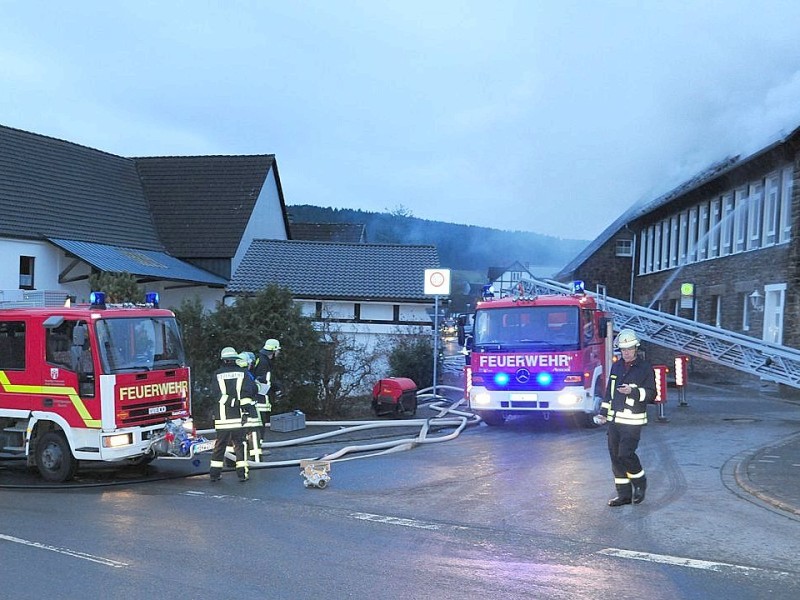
(538, 354)
(92, 383)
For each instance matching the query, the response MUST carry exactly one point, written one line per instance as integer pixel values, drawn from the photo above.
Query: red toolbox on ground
(394, 396)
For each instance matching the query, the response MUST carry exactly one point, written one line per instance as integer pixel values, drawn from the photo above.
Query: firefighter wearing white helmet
(252, 441)
(232, 411)
(262, 371)
(631, 386)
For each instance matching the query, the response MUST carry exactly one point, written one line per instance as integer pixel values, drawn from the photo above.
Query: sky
(553, 117)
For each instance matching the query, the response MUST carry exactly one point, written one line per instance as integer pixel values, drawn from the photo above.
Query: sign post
(437, 283)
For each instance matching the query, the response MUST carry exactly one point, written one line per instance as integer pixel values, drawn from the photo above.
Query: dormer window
(624, 247)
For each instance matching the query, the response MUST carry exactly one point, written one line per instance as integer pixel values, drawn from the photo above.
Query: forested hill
(460, 247)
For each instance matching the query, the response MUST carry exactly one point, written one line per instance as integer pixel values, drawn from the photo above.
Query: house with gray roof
(379, 285)
(180, 225)
(730, 232)
(372, 292)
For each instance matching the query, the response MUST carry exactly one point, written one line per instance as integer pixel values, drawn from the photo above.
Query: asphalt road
(517, 511)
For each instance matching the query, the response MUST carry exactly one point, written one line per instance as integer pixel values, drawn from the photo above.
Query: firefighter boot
(623, 495)
(639, 487)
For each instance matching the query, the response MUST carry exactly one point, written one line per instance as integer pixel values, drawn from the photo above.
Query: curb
(742, 479)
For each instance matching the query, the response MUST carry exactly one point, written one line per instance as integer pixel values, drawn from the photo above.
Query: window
(715, 218)
(657, 248)
(785, 227)
(673, 241)
(12, 345)
(745, 299)
(769, 234)
(624, 247)
(702, 233)
(683, 237)
(26, 272)
(643, 252)
(664, 243)
(727, 224)
(754, 215)
(716, 311)
(651, 232)
(740, 219)
(692, 249)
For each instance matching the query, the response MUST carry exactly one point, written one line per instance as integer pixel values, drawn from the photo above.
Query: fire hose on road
(448, 416)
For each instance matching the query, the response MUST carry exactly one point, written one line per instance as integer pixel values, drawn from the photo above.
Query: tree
(346, 369)
(119, 287)
(245, 326)
(412, 357)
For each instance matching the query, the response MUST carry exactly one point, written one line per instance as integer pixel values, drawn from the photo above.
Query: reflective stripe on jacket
(632, 409)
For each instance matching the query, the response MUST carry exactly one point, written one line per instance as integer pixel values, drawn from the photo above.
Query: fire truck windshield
(137, 343)
(539, 327)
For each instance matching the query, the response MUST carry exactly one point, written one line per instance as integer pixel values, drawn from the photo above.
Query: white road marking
(691, 563)
(394, 521)
(74, 553)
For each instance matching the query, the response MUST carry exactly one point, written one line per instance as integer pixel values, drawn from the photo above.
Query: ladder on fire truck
(769, 361)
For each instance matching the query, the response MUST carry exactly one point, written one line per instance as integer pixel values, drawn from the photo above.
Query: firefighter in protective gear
(253, 440)
(263, 375)
(233, 410)
(631, 386)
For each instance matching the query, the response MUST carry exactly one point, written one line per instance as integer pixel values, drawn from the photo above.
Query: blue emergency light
(501, 379)
(151, 298)
(544, 379)
(97, 299)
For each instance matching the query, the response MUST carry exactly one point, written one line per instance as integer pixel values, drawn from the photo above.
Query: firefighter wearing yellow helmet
(232, 411)
(267, 388)
(631, 386)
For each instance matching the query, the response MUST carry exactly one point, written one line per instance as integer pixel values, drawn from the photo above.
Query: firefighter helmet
(245, 359)
(228, 353)
(627, 338)
(272, 345)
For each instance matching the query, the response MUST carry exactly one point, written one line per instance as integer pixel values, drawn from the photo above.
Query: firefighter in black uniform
(631, 386)
(253, 427)
(234, 408)
(262, 371)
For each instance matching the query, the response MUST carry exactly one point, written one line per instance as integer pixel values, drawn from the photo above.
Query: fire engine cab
(538, 354)
(90, 383)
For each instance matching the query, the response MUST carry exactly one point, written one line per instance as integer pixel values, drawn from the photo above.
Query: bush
(412, 357)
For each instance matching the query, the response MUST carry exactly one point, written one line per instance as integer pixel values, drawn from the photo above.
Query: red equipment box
(394, 396)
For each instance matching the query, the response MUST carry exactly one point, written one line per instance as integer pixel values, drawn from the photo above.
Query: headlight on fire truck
(482, 399)
(568, 399)
(117, 441)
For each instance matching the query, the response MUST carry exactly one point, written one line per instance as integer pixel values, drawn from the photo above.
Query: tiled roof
(716, 171)
(49, 187)
(202, 204)
(143, 263)
(639, 210)
(348, 233)
(328, 270)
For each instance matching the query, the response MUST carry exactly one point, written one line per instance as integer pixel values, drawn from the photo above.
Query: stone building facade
(731, 232)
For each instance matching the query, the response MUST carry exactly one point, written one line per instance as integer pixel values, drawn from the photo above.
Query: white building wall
(266, 221)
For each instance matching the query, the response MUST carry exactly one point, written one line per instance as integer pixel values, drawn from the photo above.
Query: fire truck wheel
(54, 458)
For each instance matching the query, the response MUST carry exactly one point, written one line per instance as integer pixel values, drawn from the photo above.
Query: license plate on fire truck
(524, 397)
(203, 446)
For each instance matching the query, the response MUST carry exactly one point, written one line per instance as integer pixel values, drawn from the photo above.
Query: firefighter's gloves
(599, 420)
